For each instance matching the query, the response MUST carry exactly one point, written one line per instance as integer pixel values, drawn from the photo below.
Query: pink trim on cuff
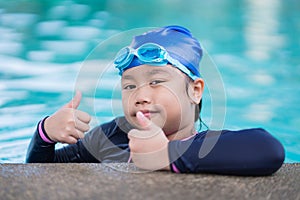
(42, 134)
(175, 169)
(129, 159)
(184, 139)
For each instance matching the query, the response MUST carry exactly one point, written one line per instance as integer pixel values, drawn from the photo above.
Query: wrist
(42, 132)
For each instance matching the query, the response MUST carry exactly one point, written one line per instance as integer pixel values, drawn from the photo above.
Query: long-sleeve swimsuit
(249, 152)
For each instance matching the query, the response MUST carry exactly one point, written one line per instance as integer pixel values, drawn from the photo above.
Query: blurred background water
(254, 43)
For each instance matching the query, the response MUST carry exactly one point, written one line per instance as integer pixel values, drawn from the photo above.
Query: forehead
(149, 71)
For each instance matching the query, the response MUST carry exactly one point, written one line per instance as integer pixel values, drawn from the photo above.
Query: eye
(155, 82)
(129, 87)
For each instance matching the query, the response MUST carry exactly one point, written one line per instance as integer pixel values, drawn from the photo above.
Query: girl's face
(161, 94)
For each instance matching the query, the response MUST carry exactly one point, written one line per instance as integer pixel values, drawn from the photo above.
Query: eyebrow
(157, 71)
(127, 77)
(148, 73)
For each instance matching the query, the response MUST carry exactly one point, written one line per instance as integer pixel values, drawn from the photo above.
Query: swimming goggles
(151, 54)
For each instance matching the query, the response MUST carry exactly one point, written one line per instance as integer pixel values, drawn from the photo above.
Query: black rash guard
(249, 152)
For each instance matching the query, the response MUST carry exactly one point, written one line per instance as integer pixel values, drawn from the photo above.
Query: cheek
(178, 105)
(172, 103)
(128, 107)
(125, 103)
(174, 97)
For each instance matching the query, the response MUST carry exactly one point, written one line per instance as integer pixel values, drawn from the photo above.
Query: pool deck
(124, 181)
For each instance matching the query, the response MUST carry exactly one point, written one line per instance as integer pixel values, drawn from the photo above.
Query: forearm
(246, 152)
(41, 150)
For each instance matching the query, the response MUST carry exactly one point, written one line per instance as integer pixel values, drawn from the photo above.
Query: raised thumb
(143, 121)
(74, 103)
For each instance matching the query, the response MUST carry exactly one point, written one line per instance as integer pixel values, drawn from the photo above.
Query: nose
(143, 95)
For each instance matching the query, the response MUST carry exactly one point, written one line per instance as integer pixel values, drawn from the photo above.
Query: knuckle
(130, 143)
(72, 141)
(87, 128)
(67, 130)
(79, 134)
(67, 111)
(70, 124)
(132, 133)
(132, 146)
(89, 118)
(63, 137)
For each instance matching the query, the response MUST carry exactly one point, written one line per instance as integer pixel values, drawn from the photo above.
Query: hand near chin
(149, 145)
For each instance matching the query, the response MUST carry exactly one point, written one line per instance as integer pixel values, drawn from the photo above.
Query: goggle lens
(122, 56)
(149, 53)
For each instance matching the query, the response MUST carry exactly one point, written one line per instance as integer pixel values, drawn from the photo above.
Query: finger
(74, 103)
(77, 134)
(142, 134)
(134, 133)
(80, 134)
(83, 116)
(82, 126)
(143, 121)
(70, 140)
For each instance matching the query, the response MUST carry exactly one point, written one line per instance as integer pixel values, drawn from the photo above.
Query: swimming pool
(255, 45)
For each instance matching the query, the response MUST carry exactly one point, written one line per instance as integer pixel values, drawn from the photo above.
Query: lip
(147, 113)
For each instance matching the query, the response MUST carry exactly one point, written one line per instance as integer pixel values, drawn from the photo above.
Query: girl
(162, 98)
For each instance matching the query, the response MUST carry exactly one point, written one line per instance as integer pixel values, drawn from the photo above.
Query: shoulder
(235, 132)
(249, 134)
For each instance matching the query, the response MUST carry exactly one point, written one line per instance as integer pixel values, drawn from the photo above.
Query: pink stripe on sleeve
(175, 169)
(185, 139)
(129, 159)
(42, 134)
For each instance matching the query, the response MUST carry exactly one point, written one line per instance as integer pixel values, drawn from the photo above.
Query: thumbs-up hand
(149, 145)
(68, 124)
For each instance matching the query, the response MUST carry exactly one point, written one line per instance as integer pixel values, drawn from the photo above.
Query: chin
(169, 132)
(158, 122)
(131, 120)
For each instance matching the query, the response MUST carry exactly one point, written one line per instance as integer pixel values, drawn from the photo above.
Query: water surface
(255, 45)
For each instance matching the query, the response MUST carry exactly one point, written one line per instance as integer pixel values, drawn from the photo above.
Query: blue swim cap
(179, 43)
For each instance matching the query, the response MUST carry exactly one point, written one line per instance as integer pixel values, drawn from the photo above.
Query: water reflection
(42, 44)
(18, 21)
(262, 28)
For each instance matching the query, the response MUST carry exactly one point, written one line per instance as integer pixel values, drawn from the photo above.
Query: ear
(195, 90)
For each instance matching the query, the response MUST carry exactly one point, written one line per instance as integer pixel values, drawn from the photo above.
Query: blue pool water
(254, 44)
